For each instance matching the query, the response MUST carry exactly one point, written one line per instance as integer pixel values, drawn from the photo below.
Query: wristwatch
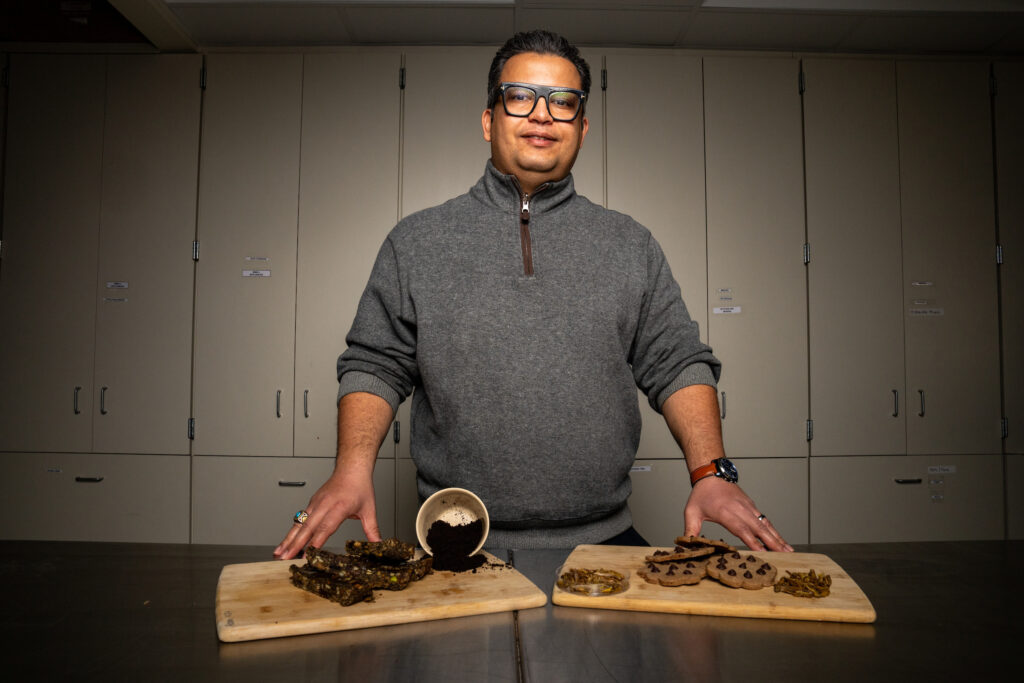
(720, 467)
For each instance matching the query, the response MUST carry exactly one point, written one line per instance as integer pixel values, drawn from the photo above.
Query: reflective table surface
(145, 612)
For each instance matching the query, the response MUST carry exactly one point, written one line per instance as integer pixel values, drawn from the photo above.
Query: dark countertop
(119, 611)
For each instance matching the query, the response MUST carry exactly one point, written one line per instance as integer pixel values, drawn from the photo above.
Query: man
(522, 317)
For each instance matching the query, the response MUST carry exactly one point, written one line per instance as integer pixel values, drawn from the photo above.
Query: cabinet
(1009, 151)
(95, 497)
(949, 274)
(348, 202)
(757, 296)
(658, 179)
(251, 501)
(858, 394)
(245, 277)
(286, 246)
(96, 291)
(906, 498)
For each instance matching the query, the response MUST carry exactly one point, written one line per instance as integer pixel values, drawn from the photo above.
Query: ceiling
(977, 27)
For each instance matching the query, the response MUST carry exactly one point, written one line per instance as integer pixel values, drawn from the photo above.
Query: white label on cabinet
(640, 468)
(256, 273)
(118, 284)
(727, 310)
(942, 469)
(927, 311)
(115, 299)
(922, 283)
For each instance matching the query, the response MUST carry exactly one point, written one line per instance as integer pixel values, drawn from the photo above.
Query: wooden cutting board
(257, 600)
(846, 601)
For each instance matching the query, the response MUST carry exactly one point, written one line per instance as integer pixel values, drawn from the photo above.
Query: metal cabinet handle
(278, 405)
(895, 403)
(103, 401)
(78, 390)
(920, 393)
(723, 405)
(908, 481)
(305, 403)
(89, 480)
(291, 483)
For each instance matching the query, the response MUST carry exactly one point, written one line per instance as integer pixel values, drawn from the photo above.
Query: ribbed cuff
(695, 373)
(355, 381)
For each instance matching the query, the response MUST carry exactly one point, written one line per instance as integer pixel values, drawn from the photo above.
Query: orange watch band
(702, 471)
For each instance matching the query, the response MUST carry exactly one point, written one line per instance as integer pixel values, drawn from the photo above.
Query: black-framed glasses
(520, 99)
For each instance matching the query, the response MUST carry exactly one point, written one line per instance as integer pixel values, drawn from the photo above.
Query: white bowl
(456, 507)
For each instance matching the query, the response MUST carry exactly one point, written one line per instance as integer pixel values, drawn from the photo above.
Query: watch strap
(703, 471)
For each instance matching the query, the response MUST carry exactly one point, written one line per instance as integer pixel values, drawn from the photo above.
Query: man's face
(535, 148)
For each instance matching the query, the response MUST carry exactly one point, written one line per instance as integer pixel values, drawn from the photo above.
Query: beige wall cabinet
(757, 297)
(245, 277)
(658, 179)
(858, 396)
(251, 501)
(95, 497)
(1009, 150)
(51, 222)
(906, 498)
(1014, 495)
(146, 272)
(949, 272)
(96, 292)
(348, 203)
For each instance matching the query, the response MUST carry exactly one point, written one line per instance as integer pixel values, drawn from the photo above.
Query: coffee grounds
(452, 545)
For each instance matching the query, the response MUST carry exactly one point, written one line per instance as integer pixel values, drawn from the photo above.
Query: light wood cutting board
(257, 600)
(846, 602)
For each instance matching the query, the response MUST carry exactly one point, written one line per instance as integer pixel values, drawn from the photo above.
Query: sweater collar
(501, 191)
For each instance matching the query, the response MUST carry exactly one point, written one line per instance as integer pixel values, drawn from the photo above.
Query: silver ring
(762, 517)
(301, 516)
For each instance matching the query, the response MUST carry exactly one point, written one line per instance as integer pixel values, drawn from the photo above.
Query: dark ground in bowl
(452, 545)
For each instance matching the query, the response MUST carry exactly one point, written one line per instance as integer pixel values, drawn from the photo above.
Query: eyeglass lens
(562, 104)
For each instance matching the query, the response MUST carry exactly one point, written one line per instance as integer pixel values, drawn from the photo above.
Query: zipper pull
(524, 214)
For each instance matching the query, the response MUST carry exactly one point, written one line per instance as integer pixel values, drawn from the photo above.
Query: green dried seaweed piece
(805, 585)
(388, 549)
(324, 585)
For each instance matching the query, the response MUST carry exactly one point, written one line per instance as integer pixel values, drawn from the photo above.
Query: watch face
(726, 470)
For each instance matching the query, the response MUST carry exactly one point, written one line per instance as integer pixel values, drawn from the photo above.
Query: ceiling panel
(990, 27)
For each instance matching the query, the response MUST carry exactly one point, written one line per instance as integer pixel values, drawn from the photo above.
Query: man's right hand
(343, 496)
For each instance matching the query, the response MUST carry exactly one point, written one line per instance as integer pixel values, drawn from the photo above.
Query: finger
(773, 539)
(370, 527)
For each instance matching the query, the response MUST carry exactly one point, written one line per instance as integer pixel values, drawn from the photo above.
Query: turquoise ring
(301, 516)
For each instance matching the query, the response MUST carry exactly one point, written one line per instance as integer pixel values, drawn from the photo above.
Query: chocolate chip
(743, 565)
(732, 572)
(747, 575)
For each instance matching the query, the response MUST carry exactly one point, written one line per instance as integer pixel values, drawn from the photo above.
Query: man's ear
(585, 126)
(485, 121)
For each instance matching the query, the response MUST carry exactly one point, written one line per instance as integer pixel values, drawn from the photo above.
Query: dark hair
(541, 42)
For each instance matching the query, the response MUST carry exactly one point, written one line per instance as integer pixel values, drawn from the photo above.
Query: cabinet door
(51, 220)
(348, 204)
(853, 227)
(588, 173)
(443, 147)
(950, 297)
(251, 501)
(245, 277)
(658, 179)
(756, 275)
(872, 499)
(95, 497)
(147, 224)
(1009, 134)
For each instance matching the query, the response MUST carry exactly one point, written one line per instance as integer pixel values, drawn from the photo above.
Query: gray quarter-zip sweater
(522, 326)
